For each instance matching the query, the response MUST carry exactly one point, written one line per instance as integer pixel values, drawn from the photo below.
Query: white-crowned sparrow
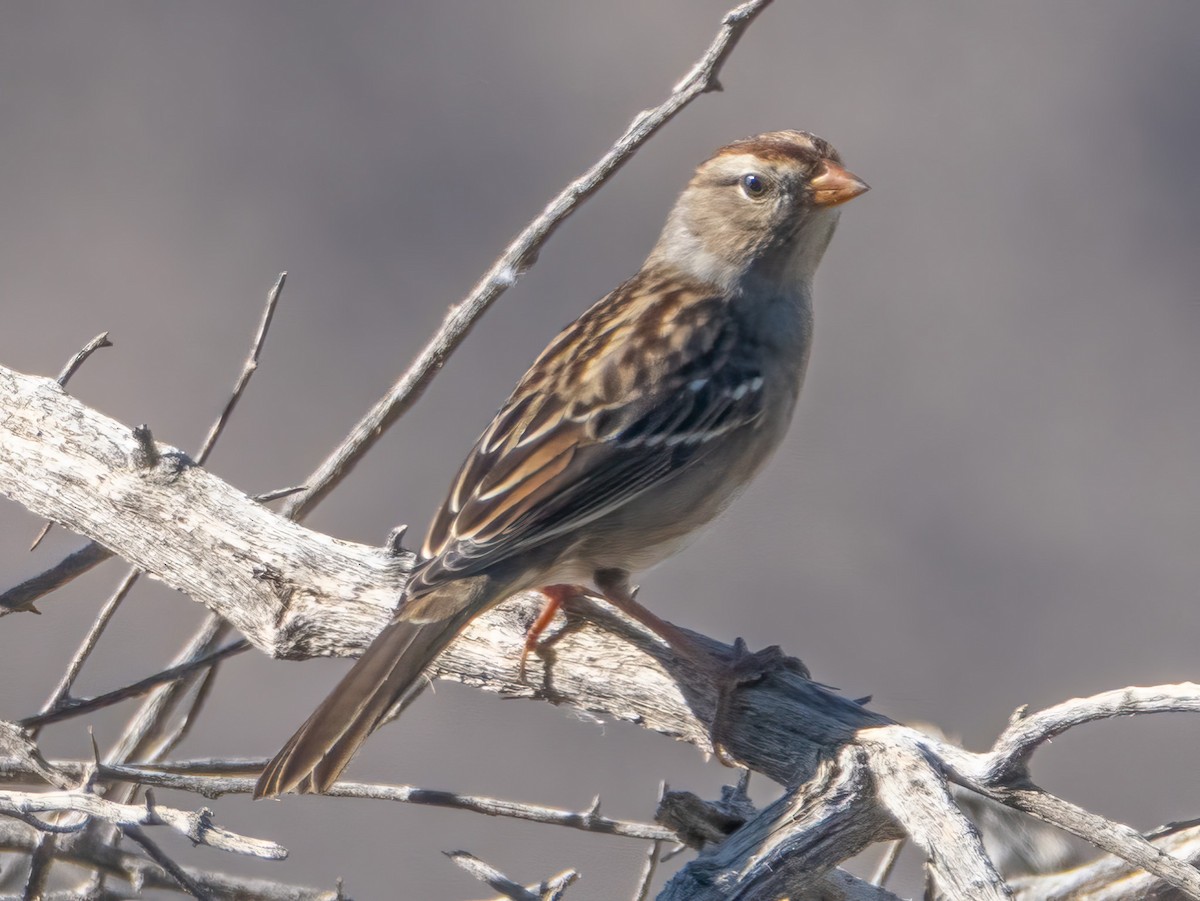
(637, 425)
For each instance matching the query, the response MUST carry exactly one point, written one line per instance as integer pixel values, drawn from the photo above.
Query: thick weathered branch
(84, 470)
(297, 593)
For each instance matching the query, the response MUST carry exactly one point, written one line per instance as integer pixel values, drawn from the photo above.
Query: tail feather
(315, 756)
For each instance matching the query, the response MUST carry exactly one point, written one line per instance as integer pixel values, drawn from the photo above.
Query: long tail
(314, 757)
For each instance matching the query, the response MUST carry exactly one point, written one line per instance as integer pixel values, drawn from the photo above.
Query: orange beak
(835, 185)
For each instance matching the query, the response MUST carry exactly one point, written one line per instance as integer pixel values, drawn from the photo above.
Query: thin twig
(642, 892)
(248, 370)
(62, 692)
(518, 257)
(41, 535)
(490, 876)
(145, 876)
(549, 890)
(891, 854)
(73, 364)
(154, 712)
(215, 778)
(211, 779)
(20, 598)
(1025, 734)
(196, 826)
(190, 714)
(73, 707)
(588, 820)
(267, 496)
(160, 857)
(139, 735)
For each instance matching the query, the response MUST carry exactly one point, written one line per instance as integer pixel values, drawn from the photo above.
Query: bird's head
(760, 212)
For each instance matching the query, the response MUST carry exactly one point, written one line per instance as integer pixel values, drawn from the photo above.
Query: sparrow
(635, 427)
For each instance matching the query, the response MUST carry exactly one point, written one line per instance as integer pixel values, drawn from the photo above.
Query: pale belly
(660, 522)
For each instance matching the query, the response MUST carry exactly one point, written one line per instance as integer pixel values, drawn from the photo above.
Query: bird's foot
(555, 596)
(744, 667)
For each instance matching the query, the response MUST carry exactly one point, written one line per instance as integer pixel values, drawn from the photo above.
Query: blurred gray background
(989, 498)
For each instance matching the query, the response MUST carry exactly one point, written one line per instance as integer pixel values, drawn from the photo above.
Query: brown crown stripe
(783, 146)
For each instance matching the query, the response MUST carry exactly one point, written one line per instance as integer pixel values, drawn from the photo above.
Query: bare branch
(1002, 773)
(61, 696)
(210, 784)
(784, 850)
(518, 257)
(21, 597)
(74, 707)
(587, 821)
(73, 364)
(1110, 878)
(1024, 735)
(854, 777)
(195, 826)
(160, 857)
(1108, 835)
(887, 863)
(248, 370)
(40, 860)
(299, 593)
(642, 890)
(21, 755)
(550, 890)
(142, 873)
(913, 788)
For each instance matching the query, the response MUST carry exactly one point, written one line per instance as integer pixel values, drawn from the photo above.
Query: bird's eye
(753, 186)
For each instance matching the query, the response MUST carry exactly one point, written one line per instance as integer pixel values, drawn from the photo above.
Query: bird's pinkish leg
(555, 595)
(727, 675)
